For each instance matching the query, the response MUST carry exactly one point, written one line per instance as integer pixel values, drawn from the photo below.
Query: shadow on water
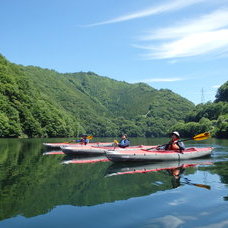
(32, 184)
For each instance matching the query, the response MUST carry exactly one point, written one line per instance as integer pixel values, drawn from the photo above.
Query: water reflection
(176, 175)
(82, 159)
(174, 169)
(32, 184)
(178, 179)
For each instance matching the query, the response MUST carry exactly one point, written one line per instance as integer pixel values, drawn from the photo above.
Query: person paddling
(124, 142)
(83, 140)
(175, 143)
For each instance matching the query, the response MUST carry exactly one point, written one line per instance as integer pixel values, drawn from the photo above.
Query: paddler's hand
(116, 142)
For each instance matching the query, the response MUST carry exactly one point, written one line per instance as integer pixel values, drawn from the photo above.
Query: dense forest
(36, 102)
(212, 117)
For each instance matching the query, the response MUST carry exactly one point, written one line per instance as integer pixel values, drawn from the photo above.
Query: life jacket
(124, 143)
(173, 146)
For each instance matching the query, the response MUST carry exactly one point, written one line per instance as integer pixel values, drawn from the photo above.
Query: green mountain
(38, 102)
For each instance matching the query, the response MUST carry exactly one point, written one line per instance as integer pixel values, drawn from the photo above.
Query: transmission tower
(202, 96)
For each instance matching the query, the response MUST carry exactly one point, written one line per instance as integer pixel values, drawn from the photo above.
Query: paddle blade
(201, 136)
(115, 141)
(89, 137)
(203, 186)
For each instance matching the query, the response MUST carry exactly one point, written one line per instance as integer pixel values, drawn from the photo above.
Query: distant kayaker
(83, 140)
(124, 142)
(175, 143)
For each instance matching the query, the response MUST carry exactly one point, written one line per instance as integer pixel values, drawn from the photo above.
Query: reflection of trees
(32, 184)
(221, 169)
(18, 163)
(40, 186)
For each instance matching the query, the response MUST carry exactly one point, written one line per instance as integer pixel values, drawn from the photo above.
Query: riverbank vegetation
(212, 116)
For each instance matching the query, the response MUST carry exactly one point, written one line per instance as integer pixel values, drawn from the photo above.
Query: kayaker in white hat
(175, 143)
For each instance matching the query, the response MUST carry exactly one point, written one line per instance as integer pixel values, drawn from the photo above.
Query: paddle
(115, 144)
(201, 136)
(187, 181)
(115, 141)
(89, 137)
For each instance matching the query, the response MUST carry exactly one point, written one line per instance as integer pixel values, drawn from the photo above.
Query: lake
(38, 190)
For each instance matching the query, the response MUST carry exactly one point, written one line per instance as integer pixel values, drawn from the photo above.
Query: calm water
(39, 190)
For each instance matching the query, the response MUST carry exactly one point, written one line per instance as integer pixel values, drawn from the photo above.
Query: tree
(222, 93)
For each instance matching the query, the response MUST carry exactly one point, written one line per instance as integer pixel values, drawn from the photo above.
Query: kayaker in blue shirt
(83, 140)
(124, 142)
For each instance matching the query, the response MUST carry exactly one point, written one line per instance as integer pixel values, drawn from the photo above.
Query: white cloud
(149, 80)
(207, 34)
(220, 224)
(206, 23)
(170, 6)
(169, 221)
(191, 45)
(216, 86)
(177, 202)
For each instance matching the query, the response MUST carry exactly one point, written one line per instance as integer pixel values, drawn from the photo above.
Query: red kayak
(58, 145)
(157, 155)
(97, 150)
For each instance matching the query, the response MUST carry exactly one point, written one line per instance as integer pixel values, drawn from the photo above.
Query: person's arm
(161, 147)
(181, 145)
(167, 146)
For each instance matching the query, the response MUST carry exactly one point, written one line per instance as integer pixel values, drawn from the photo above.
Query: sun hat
(176, 133)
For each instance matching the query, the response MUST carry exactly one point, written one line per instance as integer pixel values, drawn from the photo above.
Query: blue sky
(180, 45)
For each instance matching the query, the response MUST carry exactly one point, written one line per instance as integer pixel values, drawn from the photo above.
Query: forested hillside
(212, 116)
(36, 102)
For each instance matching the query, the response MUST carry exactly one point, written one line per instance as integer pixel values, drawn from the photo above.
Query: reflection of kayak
(84, 160)
(71, 150)
(97, 150)
(52, 152)
(132, 168)
(58, 145)
(157, 155)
